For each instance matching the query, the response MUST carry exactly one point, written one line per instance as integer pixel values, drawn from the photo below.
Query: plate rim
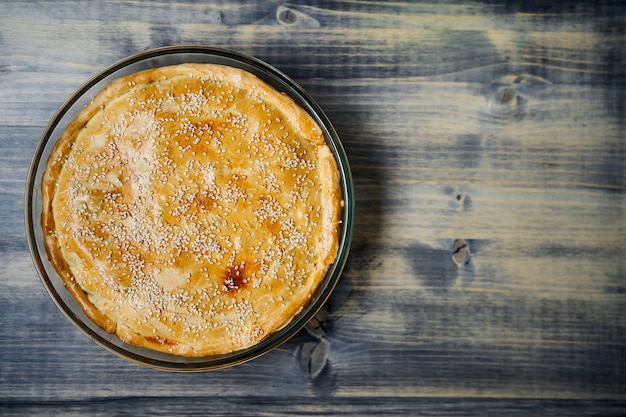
(273, 340)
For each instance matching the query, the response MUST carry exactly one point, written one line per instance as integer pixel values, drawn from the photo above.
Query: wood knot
(287, 16)
(507, 102)
(462, 202)
(319, 325)
(512, 93)
(460, 252)
(459, 201)
(312, 357)
(506, 96)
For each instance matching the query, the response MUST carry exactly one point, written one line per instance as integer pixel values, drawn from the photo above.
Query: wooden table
(487, 142)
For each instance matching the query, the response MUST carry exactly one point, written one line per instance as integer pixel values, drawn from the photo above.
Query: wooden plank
(279, 406)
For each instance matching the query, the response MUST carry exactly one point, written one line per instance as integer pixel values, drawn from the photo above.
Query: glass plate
(33, 204)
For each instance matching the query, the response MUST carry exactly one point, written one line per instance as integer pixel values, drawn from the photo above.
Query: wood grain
(488, 148)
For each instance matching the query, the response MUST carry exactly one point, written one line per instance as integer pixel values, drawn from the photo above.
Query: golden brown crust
(191, 209)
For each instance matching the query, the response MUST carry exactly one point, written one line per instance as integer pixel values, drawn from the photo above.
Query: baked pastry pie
(191, 209)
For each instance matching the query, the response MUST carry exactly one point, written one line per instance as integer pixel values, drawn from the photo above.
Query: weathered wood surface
(488, 148)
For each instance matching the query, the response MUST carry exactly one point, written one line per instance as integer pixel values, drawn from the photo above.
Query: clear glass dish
(33, 204)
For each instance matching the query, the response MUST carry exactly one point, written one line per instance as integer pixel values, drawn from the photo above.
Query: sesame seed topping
(187, 207)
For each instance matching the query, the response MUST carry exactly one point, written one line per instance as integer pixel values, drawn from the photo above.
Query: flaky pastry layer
(191, 209)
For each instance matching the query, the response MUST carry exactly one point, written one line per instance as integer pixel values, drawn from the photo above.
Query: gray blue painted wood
(488, 147)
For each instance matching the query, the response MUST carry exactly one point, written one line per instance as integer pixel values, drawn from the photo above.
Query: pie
(191, 209)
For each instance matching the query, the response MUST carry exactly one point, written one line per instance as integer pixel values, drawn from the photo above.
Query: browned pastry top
(191, 209)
